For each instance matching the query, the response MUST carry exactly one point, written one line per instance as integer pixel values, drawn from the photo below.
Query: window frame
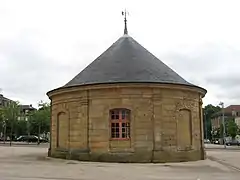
(120, 120)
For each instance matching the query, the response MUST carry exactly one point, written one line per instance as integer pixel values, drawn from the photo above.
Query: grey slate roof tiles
(126, 61)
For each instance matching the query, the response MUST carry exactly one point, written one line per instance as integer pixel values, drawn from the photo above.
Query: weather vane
(125, 13)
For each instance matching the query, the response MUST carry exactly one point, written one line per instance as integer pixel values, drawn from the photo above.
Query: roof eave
(204, 91)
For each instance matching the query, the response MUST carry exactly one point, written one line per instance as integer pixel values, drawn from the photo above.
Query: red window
(120, 123)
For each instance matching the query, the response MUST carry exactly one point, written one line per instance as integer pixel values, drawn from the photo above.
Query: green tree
(232, 128)
(40, 119)
(10, 113)
(208, 112)
(1, 121)
(20, 127)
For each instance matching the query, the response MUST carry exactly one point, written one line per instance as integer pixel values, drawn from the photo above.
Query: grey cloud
(198, 59)
(225, 80)
(212, 66)
(205, 61)
(28, 74)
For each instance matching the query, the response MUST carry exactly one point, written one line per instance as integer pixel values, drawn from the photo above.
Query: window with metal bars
(120, 123)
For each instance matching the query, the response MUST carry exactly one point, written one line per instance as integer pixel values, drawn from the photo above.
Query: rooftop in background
(4, 101)
(229, 111)
(25, 108)
(232, 108)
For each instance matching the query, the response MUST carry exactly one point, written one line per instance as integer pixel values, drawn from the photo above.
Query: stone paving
(21, 163)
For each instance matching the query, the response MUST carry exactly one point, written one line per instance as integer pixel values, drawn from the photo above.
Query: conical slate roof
(126, 61)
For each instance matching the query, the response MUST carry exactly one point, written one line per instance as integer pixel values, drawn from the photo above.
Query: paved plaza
(30, 162)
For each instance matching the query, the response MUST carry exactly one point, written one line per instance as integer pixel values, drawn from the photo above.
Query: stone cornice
(126, 85)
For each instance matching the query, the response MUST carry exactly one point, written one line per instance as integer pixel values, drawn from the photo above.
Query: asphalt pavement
(230, 159)
(207, 146)
(23, 144)
(220, 147)
(27, 162)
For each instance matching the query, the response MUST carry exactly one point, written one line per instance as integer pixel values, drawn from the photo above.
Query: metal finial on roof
(124, 13)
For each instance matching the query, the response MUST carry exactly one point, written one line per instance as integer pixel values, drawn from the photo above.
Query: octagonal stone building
(127, 106)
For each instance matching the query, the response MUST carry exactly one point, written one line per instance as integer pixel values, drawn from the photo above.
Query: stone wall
(166, 123)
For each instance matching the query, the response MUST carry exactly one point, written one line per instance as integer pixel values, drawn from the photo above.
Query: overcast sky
(45, 43)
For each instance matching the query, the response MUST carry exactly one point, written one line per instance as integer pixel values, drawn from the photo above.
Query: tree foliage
(11, 112)
(232, 128)
(208, 112)
(9, 116)
(39, 120)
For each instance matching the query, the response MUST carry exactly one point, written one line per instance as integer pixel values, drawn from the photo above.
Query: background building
(25, 110)
(231, 112)
(4, 101)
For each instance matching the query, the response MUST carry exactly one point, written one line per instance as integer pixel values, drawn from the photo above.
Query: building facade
(4, 101)
(230, 112)
(25, 111)
(127, 106)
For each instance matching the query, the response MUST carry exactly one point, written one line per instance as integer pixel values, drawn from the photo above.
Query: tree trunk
(5, 131)
(39, 130)
(11, 133)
